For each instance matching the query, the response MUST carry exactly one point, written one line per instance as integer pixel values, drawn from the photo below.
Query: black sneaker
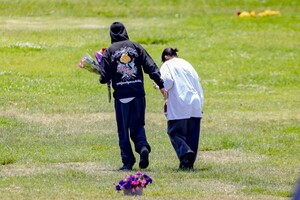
(144, 158)
(126, 167)
(186, 162)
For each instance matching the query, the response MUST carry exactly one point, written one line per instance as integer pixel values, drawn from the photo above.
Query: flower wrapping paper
(88, 63)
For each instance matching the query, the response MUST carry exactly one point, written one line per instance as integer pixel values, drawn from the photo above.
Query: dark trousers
(184, 135)
(130, 122)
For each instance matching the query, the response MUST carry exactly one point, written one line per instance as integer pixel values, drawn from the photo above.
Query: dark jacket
(124, 62)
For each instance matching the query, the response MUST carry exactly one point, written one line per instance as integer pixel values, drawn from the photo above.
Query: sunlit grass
(57, 129)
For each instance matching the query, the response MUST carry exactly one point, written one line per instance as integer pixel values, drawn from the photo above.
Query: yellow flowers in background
(260, 14)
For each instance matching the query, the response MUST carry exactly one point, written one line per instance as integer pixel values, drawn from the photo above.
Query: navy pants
(130, 122)
(184, 135)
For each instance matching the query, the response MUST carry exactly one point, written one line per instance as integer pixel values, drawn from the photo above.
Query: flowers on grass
(134, 182)
(265, 13)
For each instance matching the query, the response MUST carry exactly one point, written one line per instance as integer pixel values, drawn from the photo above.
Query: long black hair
(169, 52)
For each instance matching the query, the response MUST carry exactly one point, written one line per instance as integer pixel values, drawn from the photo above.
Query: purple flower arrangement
(134, 182)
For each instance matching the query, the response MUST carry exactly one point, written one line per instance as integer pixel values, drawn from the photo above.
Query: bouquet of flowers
(88, 63)
(134, 182)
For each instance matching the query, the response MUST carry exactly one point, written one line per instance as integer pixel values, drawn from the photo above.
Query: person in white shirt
(183, 106)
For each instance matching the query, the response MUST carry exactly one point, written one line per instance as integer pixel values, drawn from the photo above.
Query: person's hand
(154, 85)
(164, 92)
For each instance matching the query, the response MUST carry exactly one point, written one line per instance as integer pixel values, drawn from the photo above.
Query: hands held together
(163, 91)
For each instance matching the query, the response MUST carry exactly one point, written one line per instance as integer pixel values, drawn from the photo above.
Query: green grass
(57, 130)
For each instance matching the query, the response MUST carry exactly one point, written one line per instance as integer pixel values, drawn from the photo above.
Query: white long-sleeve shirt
(185, 93)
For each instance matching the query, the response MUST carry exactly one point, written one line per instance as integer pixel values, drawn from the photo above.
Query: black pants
(184, 135)
(130, 122)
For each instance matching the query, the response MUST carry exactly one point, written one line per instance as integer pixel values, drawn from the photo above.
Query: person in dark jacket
(123, 64)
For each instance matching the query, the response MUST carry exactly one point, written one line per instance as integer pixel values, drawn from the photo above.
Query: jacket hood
(118, 32)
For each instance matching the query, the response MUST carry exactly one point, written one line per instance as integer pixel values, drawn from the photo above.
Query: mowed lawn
(58, 135)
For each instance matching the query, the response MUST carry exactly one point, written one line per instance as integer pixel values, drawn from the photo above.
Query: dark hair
(169, 52)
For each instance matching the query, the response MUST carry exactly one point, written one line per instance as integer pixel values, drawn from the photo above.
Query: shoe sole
(144, 163)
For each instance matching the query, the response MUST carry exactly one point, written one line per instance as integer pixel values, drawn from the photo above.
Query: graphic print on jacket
(125, 58)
